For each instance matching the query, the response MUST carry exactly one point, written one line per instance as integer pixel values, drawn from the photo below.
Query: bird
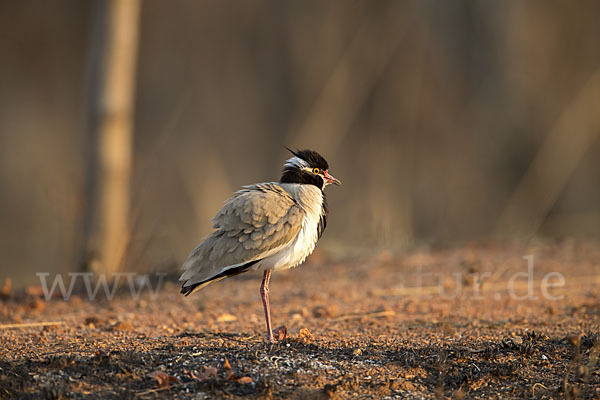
(267, 227)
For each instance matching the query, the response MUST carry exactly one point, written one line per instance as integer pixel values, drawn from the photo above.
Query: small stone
(121, 326)
(226, 318)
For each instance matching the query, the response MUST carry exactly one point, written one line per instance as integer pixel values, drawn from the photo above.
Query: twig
(536, 385)
(30, 324)
(373, 314)
(470, 350)
(160, 389)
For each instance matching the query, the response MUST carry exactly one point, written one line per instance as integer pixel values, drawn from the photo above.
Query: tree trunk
(110, 133)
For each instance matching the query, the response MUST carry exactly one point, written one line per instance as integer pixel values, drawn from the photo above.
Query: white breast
(310, 198)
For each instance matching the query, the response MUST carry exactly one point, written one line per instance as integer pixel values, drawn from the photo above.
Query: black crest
(314, 159)
(294, 174)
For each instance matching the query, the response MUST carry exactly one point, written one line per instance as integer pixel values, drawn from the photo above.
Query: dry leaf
(101, 355)
(92, 320)
(163, 379)
(518, 340)
(229, 370)
(191, 374)
(121, 326)
(329, 311)
(226, 318)
(304, 336)
(245, 380)
(207, 373)
(36, 304)
(280, 333)
(5, 291)
(37, 291)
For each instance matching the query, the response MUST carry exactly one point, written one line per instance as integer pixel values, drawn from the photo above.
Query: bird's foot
(277, 334)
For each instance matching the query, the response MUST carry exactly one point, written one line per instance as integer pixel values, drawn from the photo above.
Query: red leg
(264, 293)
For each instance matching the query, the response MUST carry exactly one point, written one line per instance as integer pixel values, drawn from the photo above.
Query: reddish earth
(356, 328)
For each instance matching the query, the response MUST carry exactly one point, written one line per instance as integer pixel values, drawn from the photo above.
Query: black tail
(186, 290)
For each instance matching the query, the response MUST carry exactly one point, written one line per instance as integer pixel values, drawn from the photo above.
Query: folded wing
(255, 223)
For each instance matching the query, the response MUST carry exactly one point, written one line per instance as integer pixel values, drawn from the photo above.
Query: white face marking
(296, 162)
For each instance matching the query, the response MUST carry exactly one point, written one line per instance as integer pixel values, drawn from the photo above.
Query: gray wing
(257, 222)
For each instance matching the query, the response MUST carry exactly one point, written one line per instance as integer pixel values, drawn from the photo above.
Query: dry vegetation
(355, 328)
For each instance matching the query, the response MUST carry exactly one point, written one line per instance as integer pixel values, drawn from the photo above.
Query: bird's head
(308, 167)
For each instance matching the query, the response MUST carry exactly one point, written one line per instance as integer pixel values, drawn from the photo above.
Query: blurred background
(448, 122)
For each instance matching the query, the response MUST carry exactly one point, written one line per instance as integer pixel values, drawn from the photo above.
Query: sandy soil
(427, 324)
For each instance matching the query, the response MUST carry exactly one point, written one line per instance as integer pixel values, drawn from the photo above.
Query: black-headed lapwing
(267, 227)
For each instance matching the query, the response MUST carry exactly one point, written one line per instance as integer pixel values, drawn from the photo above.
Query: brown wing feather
(253, 224)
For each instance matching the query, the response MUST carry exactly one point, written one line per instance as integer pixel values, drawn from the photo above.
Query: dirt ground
(424, 324)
